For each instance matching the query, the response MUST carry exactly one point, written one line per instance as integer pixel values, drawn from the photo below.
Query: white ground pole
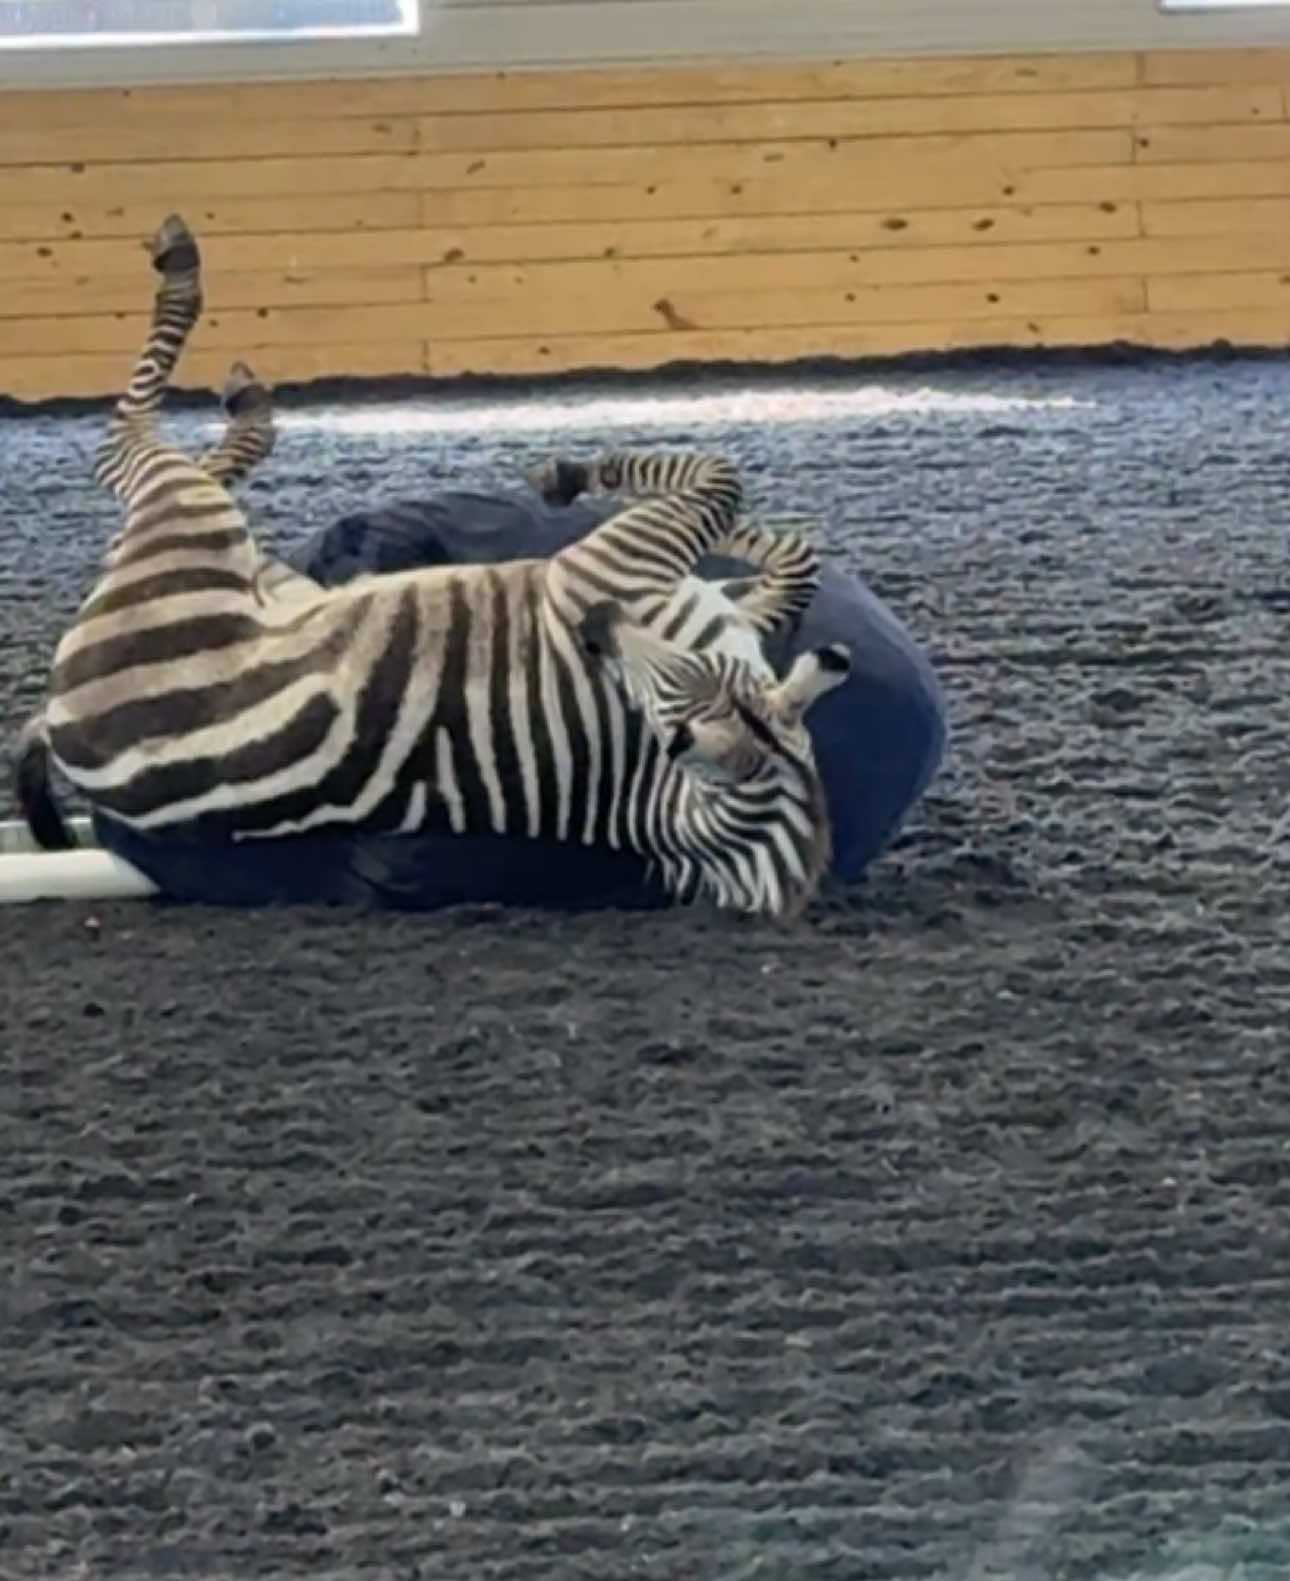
(87, 873)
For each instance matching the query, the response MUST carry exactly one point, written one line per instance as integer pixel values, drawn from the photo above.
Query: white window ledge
(469, 35)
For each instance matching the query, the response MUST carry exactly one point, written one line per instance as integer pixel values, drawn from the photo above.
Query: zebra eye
(682, 740)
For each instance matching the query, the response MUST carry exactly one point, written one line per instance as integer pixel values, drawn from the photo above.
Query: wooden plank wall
(627, 218)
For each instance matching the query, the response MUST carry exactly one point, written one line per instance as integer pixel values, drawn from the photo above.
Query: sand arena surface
(483, 1247)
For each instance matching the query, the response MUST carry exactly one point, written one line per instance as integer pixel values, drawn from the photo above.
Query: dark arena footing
(943, 1235)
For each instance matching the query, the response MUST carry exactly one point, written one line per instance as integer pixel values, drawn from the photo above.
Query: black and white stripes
(605, 695)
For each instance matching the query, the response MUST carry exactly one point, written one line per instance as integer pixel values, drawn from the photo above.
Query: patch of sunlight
(782, 404)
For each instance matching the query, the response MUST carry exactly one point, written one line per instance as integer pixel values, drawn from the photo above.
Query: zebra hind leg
(786, 576)
(172, 499)
(247, 439)
(248, 436)
(177, 305)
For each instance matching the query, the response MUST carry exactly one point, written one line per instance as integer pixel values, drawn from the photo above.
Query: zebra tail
(33, 788)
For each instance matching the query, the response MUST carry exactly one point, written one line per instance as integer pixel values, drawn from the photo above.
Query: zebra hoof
(243, 393)
(174, 248)
(559, 482)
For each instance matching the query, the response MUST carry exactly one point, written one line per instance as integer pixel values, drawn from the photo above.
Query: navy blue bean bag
(878, 739)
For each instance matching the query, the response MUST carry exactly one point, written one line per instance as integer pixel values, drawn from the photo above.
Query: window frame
(1224, 7)
(17, 47)
(515, 36)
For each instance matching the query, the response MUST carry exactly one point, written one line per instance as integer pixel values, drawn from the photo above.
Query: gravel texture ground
(943, 1235)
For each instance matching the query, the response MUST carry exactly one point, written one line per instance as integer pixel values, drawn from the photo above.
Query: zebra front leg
(689, 502)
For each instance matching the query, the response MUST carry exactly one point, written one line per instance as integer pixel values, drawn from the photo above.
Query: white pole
(70, 875)
(87, 873)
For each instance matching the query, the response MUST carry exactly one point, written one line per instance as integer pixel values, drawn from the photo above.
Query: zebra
(248, 438)
(563, 698)
(735, 615)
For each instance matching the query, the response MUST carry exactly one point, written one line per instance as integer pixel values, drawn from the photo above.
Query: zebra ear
(813, 673)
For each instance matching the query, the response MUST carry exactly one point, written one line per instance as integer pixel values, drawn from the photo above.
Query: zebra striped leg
(248, 436)
(176, 308)
(785, 580)
(175, 505)
(247, 440)
(689, 502)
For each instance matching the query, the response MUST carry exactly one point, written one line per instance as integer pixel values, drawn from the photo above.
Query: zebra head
(744, 819)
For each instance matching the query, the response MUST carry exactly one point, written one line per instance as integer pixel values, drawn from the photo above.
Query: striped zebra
(247, 439)
(586, 697)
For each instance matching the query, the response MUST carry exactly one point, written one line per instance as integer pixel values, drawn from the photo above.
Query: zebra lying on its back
(535, 697)
(247, 439)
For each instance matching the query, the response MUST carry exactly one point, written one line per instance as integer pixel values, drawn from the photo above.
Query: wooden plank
(643, 352)
(737, 270)
(1239, 326)
(33, 378)
(875, 164)
(89, 294)
(466, 281)
(561, 354)
(898, 190)
(705, 305)
(1255, 289)
(243, 333)
(794, 233)
(1228, 67)
(342, 211)
(1130, 183)
(297, 253)
(493, 93)
(914, 117)
(1221, 217)
(855, 159)
(1177, 145)
(113, 260)
(1115, 256)
(170, 184)
(463, 284)
(213, 137)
